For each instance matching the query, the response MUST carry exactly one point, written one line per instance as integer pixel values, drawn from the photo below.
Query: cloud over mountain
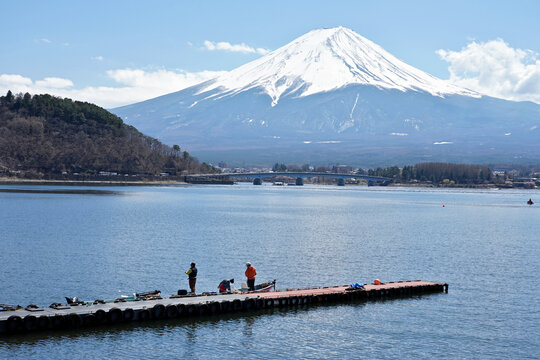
(227, 46)
(496, 69)
(134, 85)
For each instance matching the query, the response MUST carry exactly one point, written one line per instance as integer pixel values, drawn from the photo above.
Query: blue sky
(117, 52)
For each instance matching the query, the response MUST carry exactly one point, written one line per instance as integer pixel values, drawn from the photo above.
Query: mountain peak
(329, 31)
(327, 59)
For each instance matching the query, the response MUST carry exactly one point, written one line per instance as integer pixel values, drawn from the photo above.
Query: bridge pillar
(341, 182)
(299, 181)
(257, 181)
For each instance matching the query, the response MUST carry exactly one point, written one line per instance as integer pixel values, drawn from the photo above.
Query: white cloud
(54, 83)
(14, 80)
(495, 69)
(442, 143)
(46, 41)
(227, 46)
(98, 58)
(134, 85)
(160, 79)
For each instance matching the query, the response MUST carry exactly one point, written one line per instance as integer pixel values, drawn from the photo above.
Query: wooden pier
(175, 307)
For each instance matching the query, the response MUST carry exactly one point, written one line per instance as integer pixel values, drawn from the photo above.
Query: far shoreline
(172, 183)
(12, 181)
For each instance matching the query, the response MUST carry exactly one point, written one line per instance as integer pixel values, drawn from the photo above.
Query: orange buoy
(377, 282)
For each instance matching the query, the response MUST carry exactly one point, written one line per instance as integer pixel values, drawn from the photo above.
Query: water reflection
(63, 191)
(190, 326)
(247, 332)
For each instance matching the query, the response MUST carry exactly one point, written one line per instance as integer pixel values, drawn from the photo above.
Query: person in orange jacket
(251, 272)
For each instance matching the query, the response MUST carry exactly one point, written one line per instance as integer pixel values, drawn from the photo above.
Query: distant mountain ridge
(332, 95)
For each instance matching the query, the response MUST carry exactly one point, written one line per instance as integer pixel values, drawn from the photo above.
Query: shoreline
(11, 181)
(15, 181)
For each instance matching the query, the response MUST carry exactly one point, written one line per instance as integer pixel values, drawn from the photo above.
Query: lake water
(484, 243)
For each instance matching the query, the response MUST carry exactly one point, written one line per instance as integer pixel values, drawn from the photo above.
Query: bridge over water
(257, 177)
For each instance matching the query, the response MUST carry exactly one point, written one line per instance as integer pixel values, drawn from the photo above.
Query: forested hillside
(47, 134)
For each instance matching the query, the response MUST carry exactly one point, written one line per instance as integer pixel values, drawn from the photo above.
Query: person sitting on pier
(192, 276)
(225, 286)
(250, 273)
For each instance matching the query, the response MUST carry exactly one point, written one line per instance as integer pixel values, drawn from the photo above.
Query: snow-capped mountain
(332, 95)
(325, 60)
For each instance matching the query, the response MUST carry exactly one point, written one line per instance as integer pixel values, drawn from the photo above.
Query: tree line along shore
(434, 174)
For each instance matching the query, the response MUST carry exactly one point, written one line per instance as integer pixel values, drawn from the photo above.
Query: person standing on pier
(192, 276)
(251, 272)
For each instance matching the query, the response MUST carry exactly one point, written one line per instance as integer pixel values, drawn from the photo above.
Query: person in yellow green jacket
(192, 277)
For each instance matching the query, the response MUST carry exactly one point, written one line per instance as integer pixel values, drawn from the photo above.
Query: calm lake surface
(484, 243)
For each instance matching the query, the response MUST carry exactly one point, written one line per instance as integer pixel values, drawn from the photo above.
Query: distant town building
(342, 169)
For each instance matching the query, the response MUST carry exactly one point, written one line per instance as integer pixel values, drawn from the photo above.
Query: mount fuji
(333, 96)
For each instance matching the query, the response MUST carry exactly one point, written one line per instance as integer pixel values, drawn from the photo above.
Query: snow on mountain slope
(324, 60)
